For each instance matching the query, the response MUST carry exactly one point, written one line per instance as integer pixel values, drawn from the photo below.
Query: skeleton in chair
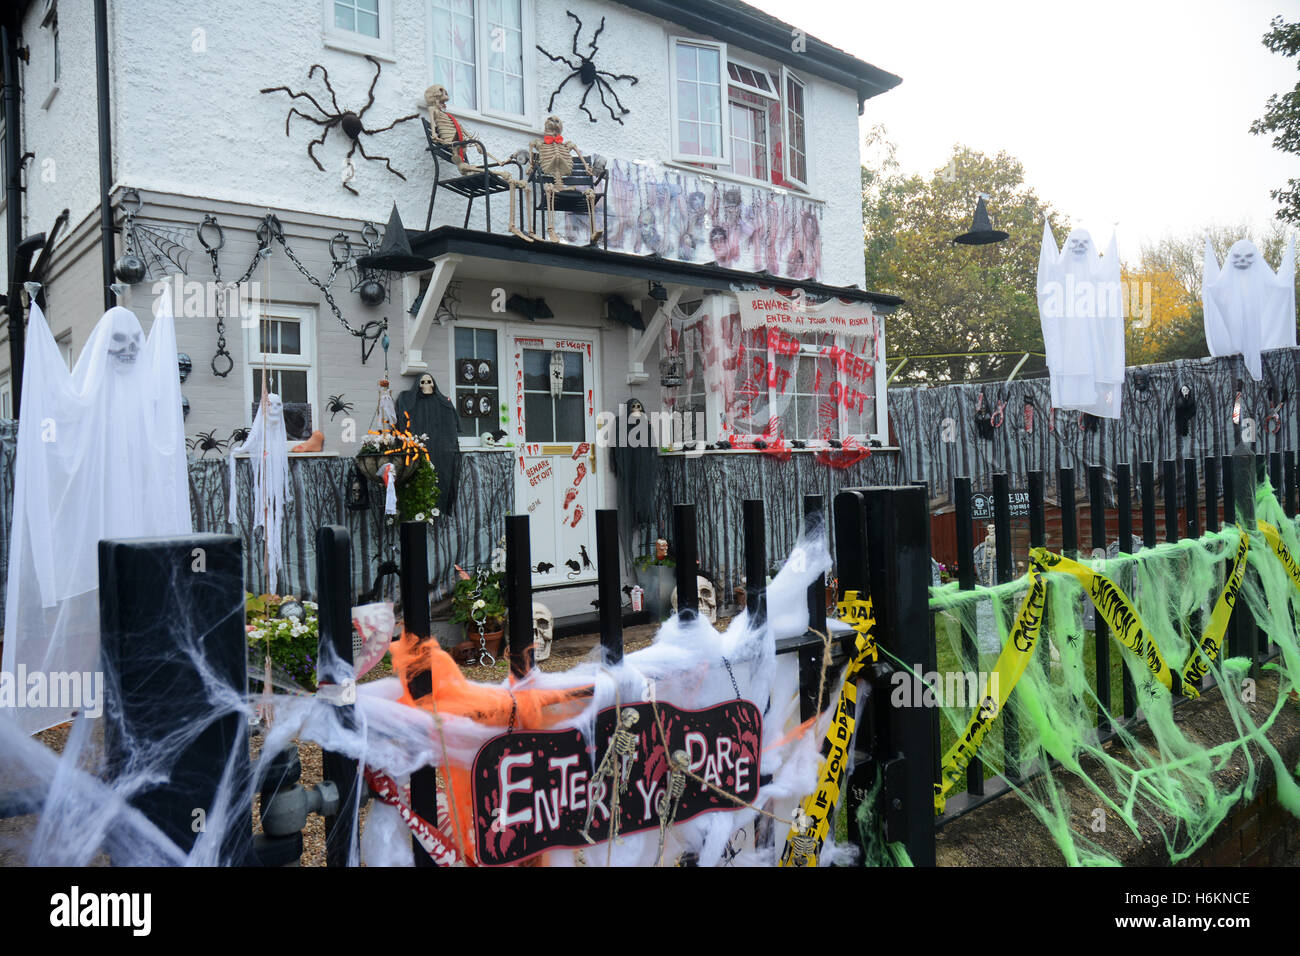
(616, 765)
(448, 131)
(554, 157)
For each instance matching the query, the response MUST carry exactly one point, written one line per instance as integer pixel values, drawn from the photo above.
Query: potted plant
(287, 629)
(477, 600)
(656, 573)
(404, 450)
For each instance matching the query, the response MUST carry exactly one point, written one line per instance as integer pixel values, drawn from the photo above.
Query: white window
(361, 26)
(481, 51)
(755, 111)
(64, 342)
(6, 398)
(282, 342)
(796, 129)
(475, 372)
(700, 127)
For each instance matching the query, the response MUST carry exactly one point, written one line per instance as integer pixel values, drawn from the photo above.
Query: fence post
(966, 582)
(755, 560)
(1124, 499)
(1101, 633)
(608, 585)
(814, 515)
(334, 614)
(1147, 478)
(1289, 469)
(153, 641)
(1211, 494)
(1170, 482)
(1275, 472)
(1004, 571)
(414, 576)
(899, 566)
(1069, 517)
(519, 595)
(1241, 640)
(685, 540)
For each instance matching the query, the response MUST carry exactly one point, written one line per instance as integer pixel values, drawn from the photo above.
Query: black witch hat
(394, 253)
(981, 231)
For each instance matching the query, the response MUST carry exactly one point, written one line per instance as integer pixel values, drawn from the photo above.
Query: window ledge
(359, 47)
(731, 177)
(525, 124)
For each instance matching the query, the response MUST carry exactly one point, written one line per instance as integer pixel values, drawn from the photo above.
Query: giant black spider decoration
(337, 404)
(585, 70)
(350, 122)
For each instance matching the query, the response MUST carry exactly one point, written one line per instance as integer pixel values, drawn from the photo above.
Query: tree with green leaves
(1282, 116)
(959, 300)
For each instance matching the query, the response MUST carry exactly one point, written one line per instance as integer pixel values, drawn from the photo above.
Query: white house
(731, 262)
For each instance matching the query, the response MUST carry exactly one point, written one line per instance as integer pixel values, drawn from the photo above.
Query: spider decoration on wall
(350, 122)
(206, 442)
(337, 404)
(585, 70)
(238, 436)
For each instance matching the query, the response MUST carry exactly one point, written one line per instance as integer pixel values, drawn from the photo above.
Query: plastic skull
(543, 631)
(126, 340)
(426, 383)
(708, 595)
(274, 408)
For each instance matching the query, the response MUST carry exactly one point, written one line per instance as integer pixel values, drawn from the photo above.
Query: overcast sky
(1128, 111)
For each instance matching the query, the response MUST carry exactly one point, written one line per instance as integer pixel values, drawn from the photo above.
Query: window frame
(724, 102)
(788, 76)
(482, 40)
(497, 328)
(306, 361)
(349, 40)
(6, 396)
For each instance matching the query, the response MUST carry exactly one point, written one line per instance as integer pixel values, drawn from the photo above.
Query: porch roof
(593, 269)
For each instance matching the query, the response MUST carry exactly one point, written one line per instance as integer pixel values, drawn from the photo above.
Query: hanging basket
(372, 464)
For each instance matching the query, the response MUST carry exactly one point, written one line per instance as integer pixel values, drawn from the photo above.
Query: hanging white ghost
(1248, 308)
(101, 454)
(268, 455)
(1080, 306)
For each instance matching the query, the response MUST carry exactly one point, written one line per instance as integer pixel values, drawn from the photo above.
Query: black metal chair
(469, 185)
(571, 201)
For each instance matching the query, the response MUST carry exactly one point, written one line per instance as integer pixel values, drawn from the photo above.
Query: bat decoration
(587, 73)
(530, 309)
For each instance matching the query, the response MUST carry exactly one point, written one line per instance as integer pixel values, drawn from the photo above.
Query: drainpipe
(105, 149)
(14, 197)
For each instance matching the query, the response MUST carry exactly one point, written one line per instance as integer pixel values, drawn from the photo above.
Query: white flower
(435, 513)
(479, 604)
(420, 516)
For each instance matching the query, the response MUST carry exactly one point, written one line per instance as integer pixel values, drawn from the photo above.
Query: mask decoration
(1248, 307)
(100, 454)
(543, 631)
(661, 549)
(1081, 310)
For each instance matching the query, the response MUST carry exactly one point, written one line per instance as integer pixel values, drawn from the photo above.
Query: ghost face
(1079, 244)
(125, 342)
(274, 409)
(1243, 255)
(426, 384)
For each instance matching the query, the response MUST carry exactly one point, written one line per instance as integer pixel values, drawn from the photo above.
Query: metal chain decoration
(148, 252)
(213, 249)
(478, 614)
(586, 72)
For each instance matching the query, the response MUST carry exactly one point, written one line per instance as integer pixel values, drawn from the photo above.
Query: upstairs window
(480, 51)
(361, 26)
(700, 128)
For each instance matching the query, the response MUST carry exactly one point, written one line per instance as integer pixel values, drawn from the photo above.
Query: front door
(555, 461)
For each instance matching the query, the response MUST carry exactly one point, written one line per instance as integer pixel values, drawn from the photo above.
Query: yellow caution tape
(1274, 540)
(1011, 664)
(818, 806)
(1198, 663)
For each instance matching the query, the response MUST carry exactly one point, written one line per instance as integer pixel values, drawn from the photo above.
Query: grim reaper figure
(101, 454)
(1082, 314)
(1248, 307)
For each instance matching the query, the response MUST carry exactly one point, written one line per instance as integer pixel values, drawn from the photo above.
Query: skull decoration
(708, 598)
(426, 383)
(1080, 246)
(1244, 258)
(126, 341)
(274, 408)
(543, 631)
(635, 409)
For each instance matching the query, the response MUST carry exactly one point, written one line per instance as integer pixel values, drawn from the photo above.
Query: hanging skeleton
(802, 841)
(616, 766)
(449, 131)
(670, 798)
(554, 157)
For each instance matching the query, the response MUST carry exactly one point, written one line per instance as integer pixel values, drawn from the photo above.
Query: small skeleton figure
(554, 157)
(990, 554)
(670, 798)
(801, 838)
(447, 129)
(616, 765)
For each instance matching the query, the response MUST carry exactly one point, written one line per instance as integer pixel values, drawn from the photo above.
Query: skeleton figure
(990, 554)
(708, 604)
(802, 841)
(670, 797)
(554, 157)
(543, 631)
(616, 765)
(447, 129)
(426, 383)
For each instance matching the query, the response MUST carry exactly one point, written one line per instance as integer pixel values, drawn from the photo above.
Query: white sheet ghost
(1080, 306)
(101, 454)
(1248, 307)
(267, 446)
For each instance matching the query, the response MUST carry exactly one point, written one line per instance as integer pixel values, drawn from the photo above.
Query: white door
(555, 462)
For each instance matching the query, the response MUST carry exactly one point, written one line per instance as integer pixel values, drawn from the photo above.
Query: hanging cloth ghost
(101, 454)
(1082, 315)
(268, 455)
(1248, 307)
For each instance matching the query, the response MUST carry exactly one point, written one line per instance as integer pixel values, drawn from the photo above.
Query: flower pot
(658, 581)
(468, 650)
(372, 464)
